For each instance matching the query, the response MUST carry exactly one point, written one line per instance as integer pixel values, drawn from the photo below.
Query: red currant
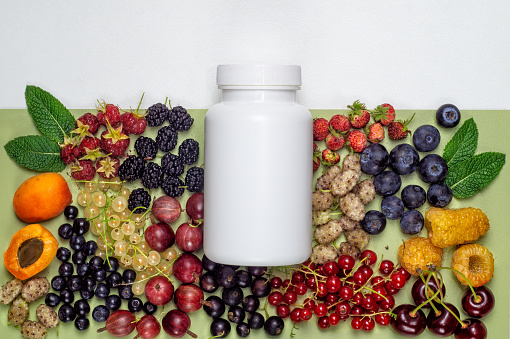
(343, 308)
(305, 314)
(402, 270)
(297, 277)
(345, 292)
(295, 315)
(275, 298)
(283, 311)
(388, 303)
(367, 270)
(357, 310)
(359, 278)
(390, 289)
(346, 262)
(290, 298)
(386, 267)
(377, 281)
(369, 257)
(382, 319)
(276, 282)
(356, 298)
(309, 303)
(300, 288)
(310, 282)
(368, 302)
(332, 298)
(333, 284)
(330, 268)
(322, 290)
(308, 266)
(356, 323)
(398, 280)
(320, 310)
(368, 323)
(379, 292)
(334, 319)
(323, 322)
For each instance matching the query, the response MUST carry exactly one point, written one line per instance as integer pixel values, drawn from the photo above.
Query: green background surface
(493, 136)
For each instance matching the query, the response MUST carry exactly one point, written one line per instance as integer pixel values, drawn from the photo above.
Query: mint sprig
(36, 152)
(463, 144)
(50, 116)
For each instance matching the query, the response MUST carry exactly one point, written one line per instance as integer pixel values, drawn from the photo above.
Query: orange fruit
(41, 197)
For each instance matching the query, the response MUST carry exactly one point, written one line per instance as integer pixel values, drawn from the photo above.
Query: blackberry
(173, 186)
(156, 114)
(132, 168)
(146, 148)
(188, 151)
(180, 119)
(166, 138)
(172, 165)
(152, 176)
(140, 200)
(195, 179)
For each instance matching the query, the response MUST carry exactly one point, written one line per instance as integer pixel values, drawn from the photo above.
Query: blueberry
(433, 169)
(426, 138)
(90, 247)
(411, 222)
(125, 292)
(79, 257)
(58, 283)
(113, 302)
(135, 305)
(374, 222)
(63, 254)
(81, 226)
(243, 278)
(439, 195)
(129, 276)
(114, 279)
(65, 231)
(71, 212)
(82, 307)
(387, 183)
(404, 159)
(66, 269)
(236, 314)
(100, 313)
(74, 283)
(77, 242)
(66, 296)
(111, 264)
(83, 270)
(66, 313)
(102, 291)
(82, 323)
(52, 299)
(232, 296)
(149, 308)
(413, 196)
(374, 159)
(392, 207)
(448, 116)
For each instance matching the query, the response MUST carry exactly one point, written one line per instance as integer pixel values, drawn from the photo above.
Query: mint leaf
(50, 116)
(462, 145)
(36, 152)
(472, 175)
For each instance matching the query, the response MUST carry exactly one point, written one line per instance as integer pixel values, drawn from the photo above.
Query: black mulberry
(188, 151)
(140, 200)
(146, 148)
(180, 119)
(152, 176)
(132, 168)
(166, 138)
(156, 114)
(173, 186)
(172, 165)
(195, 179)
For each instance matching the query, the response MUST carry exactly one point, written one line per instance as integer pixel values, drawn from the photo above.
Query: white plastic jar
(258, 168)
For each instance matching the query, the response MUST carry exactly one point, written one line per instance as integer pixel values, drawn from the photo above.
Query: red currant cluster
(338, 290)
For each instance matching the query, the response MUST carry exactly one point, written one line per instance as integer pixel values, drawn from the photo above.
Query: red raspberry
(320, 129)
(83, 170)
(69, 153)
(133, 123)
(108, 112)
(89, 122)
(375, 133)
(340, 123)
(90, 144)
(114, 141)
(335, 142)
(108, 167)
(357, 141)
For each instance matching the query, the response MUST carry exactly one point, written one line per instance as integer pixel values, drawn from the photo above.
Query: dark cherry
(443, 324)
(408, 325)
(475, 329)
(418, 291)
(478, 307)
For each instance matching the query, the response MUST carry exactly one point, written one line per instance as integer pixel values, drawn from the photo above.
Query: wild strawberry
(315, 147)
(89, 144)
(340, 123)
(108, 112)
(359, 116)
(108, 167)
(114, 141)
(134, 122)
(320, 129)
(83, 170)
(316, 161)
(87, 123)
(397, 130)
(357, 140)
(384, 114)
(335, 142)
(69, 153)
(375, 133)
(330, 157)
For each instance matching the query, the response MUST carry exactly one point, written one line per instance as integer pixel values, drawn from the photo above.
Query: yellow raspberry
(418, 252)
(449, 227)
(476, 262)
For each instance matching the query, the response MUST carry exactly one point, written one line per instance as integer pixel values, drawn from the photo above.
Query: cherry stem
(413, 312)
(454, 315)
(476, 297)
(191, 334)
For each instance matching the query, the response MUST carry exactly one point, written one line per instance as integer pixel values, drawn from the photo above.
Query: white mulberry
(10, 290)
(344, 182)
(18, 312)
(365, 190)
(347, 223)
(320, 217)
(321, 200)
(347, 248)
(352, 162)
(326, 233)
(35, 288)
(33, 330)
(352, 206)
(322, 253)
(47, 316)
(324, 180)
(358, 238)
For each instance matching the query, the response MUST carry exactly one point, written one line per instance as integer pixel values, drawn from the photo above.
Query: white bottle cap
(235, 76)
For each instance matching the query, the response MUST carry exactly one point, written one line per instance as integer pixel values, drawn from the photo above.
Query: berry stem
(476, 297)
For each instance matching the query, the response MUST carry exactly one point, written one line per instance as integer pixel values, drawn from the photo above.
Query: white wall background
(412, 53)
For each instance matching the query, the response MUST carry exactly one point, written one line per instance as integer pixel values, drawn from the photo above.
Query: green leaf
(462, 145)
(472, 175)
(36, 152)
(50, 116)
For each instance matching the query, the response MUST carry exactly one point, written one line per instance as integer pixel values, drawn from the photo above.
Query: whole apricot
(41, 197)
